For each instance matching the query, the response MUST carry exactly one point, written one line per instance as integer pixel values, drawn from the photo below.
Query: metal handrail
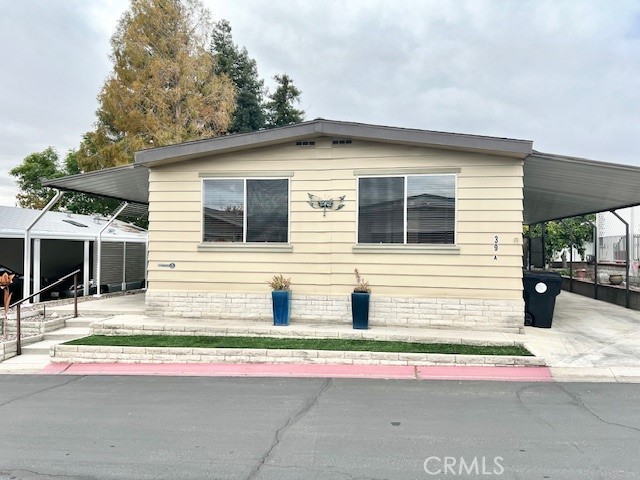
(17, 304)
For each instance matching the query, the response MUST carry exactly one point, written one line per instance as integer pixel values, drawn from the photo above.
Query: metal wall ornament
(331, 204)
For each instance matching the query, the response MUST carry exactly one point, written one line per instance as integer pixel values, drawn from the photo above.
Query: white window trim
(244, 245)
(436, 247)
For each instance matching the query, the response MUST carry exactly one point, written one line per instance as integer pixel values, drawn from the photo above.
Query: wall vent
(305, 143)
(342, 141)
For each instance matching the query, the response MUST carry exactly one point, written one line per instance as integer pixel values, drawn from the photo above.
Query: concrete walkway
(589, 340)
(36, 356)
(105, 307)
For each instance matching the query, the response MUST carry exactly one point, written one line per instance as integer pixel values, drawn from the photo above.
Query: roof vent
(305, 143)
(341, 141)
(74, 223)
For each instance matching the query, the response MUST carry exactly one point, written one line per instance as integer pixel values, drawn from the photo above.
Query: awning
(129, 183)
(557, 186)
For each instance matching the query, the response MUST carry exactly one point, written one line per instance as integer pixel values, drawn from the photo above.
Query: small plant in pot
(360, 303)
(281, 299)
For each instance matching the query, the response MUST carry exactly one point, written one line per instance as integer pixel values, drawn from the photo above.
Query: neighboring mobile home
(62, 242)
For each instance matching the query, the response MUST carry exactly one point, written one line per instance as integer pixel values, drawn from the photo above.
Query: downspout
(99, 244)
(26, 287)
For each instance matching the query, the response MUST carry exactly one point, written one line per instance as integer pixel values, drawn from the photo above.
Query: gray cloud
(561, 73)
(54, 62)
(564, 74)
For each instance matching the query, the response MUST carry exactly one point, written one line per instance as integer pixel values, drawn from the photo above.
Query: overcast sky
(563, 74)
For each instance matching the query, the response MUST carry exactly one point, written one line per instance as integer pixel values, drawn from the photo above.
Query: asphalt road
(60, 427)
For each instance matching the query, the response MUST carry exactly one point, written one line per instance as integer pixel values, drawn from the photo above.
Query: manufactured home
(432, 220)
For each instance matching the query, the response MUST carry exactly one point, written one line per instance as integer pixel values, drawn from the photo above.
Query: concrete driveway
(589, 334)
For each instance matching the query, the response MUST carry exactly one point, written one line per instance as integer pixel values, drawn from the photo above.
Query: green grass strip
(295, 344)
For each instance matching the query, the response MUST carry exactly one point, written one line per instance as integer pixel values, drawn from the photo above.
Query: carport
(45, 246)
(559, 187)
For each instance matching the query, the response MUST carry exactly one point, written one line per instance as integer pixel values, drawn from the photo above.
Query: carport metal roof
(66, 226)
(555, 186)
(127, 183)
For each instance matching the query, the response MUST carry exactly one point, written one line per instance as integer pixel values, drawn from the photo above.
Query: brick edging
(100, 354)
(113, 328)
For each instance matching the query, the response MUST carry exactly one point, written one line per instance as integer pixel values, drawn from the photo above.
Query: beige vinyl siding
(489, 203)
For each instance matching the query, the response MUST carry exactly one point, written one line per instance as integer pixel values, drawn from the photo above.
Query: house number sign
(496, 246)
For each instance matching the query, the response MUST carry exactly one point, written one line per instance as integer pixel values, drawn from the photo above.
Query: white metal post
(36, 268)
(86, 273)
(146, 262)
(124, 266)
(99, 242)
(26, 287)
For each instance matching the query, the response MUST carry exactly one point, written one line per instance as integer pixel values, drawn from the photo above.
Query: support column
(124, 266)
(543, 234)
(36, 268)
(146, 262)
(595, 258)
(571, 245)
(86, 268)
(118, 211)
(26, 288)
(627, 262)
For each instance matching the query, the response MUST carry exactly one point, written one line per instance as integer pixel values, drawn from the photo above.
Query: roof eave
(230, 143)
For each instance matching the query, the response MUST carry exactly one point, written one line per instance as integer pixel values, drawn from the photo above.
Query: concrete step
(68, 333)
(26, 314)
(40, 348)
(83, 321)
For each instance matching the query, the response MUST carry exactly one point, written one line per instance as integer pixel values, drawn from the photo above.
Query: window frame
(244, 179)
(406, 176)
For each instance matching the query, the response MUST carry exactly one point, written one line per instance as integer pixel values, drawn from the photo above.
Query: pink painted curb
(233, 370)
(533, 374)
(512, 374)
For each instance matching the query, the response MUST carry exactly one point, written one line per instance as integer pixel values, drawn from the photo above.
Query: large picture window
(410, 209)
(246, 210)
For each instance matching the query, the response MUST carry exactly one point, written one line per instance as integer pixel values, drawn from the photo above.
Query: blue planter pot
(360, 310)
(281, 306)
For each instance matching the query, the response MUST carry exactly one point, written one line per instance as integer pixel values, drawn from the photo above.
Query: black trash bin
(540, 291)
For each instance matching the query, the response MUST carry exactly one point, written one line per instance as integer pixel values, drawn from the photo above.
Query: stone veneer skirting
(446, 313)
